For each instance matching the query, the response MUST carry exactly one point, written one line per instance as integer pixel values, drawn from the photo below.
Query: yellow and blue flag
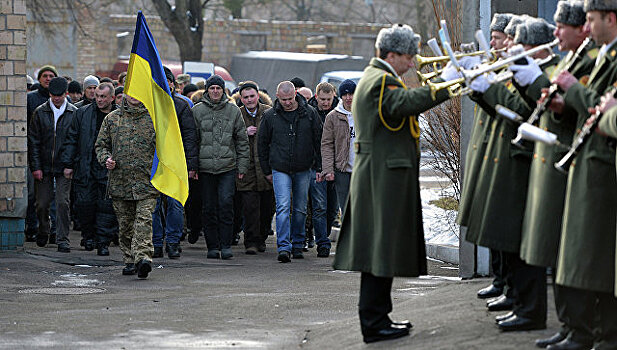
(146, 81)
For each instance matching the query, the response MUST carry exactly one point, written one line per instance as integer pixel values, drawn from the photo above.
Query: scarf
(57, 111)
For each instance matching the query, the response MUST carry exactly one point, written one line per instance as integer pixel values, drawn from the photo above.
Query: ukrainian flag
(146, 81)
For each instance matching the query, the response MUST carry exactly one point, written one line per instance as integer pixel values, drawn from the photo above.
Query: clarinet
(579, 141)
(554, 89)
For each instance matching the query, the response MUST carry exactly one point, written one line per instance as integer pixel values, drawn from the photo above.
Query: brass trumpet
(471, 74)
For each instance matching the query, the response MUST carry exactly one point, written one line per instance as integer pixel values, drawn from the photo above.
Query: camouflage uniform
(128, 134)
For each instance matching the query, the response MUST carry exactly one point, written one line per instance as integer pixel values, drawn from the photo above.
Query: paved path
(251, 302)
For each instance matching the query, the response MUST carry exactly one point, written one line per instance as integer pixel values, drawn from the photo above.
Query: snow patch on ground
(440, 225)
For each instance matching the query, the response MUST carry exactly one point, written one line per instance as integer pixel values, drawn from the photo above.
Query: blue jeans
(288, 187)
(318, 193)
(174, 222)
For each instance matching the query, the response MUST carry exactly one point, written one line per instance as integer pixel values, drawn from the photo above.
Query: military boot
(173, 251)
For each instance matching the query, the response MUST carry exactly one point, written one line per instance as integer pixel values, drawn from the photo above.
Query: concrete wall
(13, 142)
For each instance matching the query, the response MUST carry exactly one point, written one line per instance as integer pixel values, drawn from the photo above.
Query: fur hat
(399, 38)
(347, 87)
(600, 5)
(58, 86)
(500, 22)
(534, 31)
(215, 80)
(515, 21)
(570, 12)
(90, 80)
(46, 68)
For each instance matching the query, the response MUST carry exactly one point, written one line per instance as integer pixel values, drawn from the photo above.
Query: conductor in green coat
(382, 235)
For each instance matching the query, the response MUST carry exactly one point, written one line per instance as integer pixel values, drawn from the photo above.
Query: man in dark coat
(46, 134)
(174, 216)
(382, 234)
(254, 190)
(94, 209)
(288, 147)
(36, 98)
(90, 84)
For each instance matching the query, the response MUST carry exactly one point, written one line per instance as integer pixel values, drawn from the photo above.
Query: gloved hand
(469, 62)
(481, 83)
(527, 73)
(449, 72)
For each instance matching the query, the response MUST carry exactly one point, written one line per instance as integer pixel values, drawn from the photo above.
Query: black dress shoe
(64, 248)
(296, 253)
(569, 344)
(503, 317)
(517, 323)
(102, 250)
(129, 269)
(89, 245)
(143, 268)
(193, 237)
(489, 292)
(554, 339)
(41, 240)
(492, 300)
(158, 252)
(386, 333)
(405, 324)
(284, 256)
(501, 304)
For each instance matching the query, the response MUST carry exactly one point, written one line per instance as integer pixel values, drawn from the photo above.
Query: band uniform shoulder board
(584, 80)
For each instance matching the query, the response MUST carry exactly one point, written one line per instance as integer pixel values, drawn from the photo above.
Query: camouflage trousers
(135, 224)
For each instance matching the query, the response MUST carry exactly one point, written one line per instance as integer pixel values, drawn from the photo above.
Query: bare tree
(185, 22)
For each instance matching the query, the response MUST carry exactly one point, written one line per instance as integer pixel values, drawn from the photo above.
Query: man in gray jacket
(223, 153)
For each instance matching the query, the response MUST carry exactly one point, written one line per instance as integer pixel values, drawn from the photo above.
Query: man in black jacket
(35, 98)
(90, 84)
(174, 216)
(288, 146)
(95, 211)
(46, 135)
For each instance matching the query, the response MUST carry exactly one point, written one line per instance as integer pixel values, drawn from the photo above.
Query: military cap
(399, 38)
(600, 5)
(500, 22)
(534, 31)
(183, 79)
(570, 12)
(58, 86)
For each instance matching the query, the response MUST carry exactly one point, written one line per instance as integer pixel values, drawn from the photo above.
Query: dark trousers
(375, 301)
(584, 309)
(498, 269)
(217, 193)
(193, 207)
(32, 223)
(44, 196)
(529, 283)
(560, 304)
(95, 213)
(256, 209)
(238, 217)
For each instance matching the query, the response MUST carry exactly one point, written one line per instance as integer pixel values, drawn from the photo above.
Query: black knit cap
(215, 80)
(248, 85)
(348, 86)
(298, 83)
(58, 86)
(75, 87)
(188, 88)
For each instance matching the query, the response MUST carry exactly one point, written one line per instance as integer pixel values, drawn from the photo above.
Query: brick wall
(13, 151)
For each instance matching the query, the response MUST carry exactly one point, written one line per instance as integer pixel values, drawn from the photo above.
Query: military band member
(586, 259)
(473, 162)
(382, 234)
(504, 179)
(546, 190)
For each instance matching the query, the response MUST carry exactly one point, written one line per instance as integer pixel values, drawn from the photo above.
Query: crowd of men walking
(244, 151)
(90, 158)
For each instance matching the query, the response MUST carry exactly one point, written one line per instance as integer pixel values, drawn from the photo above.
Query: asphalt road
(250, 302)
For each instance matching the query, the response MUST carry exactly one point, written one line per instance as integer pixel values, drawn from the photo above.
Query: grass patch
(446, 203)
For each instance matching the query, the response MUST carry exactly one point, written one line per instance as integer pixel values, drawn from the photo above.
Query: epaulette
(593, 53)
(613, 53)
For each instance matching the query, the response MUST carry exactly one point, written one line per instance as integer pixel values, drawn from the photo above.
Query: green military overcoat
(382, 230)
(503, 177)
(608, 124)
(473, 163)
(547, 187)
(587, 252)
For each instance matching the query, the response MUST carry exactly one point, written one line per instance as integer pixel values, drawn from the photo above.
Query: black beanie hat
(298, 83)
(347, 87)
(188, 88)
(215, 80)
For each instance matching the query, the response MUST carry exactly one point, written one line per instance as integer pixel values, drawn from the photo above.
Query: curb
(445, 253)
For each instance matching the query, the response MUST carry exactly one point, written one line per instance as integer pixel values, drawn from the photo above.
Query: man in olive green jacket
(586, 259)
(223, 153)
(382, 234)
